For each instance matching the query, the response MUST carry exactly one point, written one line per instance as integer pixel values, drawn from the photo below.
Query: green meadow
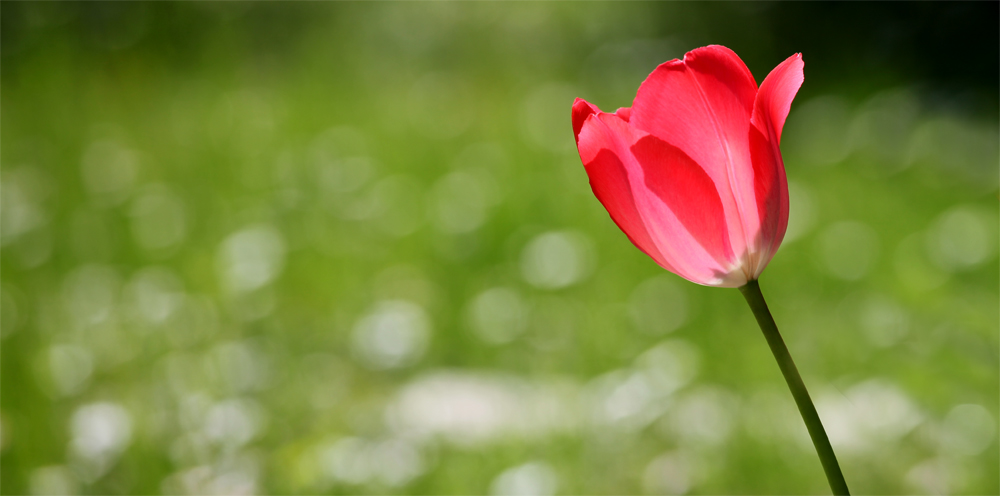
(350, 248)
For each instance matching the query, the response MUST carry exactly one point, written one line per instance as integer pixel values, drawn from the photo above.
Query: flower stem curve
(751, 291)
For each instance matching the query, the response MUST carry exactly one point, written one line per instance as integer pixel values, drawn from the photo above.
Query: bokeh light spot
(968, 430)
(251, 258)
(393, 334)
(962, 238)
(529, 479)
(557, 259)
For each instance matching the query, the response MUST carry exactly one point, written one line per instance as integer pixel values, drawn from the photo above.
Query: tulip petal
(581, 110)
(601, 152)
(770, 185)
(771, 190)
(776, 94)
(609, 181)
(703, 105)
(667, 180)
(689, 193)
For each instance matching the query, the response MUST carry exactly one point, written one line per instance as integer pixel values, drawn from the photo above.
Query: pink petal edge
(775, 96)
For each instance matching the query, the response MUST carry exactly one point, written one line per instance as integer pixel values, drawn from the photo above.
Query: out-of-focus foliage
(350, 248)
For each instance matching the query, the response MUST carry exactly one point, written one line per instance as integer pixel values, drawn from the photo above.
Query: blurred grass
(349, 248)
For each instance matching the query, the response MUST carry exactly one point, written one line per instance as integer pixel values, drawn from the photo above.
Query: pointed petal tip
(796, 59)
(581, 110)
(776, 94)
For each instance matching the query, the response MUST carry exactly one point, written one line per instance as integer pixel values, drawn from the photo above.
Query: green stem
(826, 456)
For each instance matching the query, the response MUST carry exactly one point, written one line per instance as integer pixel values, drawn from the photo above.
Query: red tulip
(693, 175)
(692, 172)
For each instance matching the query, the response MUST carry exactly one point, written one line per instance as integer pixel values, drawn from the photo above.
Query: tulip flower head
(692, 172)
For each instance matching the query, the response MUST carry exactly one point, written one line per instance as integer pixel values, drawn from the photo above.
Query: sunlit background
(350, 248)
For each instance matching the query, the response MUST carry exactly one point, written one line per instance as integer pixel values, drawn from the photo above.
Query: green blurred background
(350, 248)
